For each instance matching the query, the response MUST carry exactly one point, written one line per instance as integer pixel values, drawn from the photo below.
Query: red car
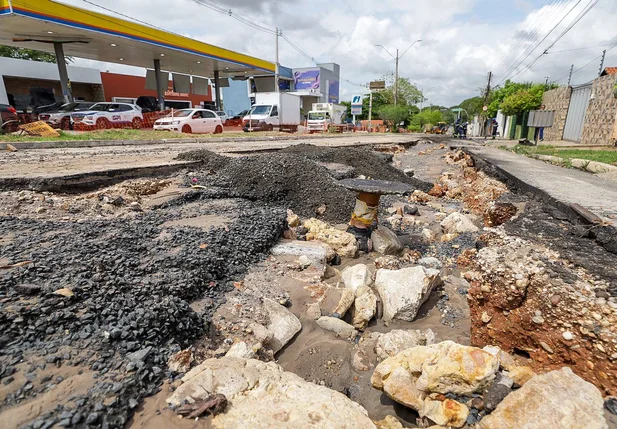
(8, 119)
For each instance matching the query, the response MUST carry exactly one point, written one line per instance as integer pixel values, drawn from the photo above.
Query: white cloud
(462, 39)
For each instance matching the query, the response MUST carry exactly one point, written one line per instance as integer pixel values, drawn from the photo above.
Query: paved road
(569, 186)
(60, 162)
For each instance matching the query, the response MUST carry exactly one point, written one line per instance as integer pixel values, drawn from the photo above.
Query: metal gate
(576, 113)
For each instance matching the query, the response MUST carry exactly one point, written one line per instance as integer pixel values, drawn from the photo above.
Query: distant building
(17, 77)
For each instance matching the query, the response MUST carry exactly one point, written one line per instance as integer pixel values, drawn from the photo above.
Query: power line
(541, 41)
(580, 16)
(520, 48)
(586, 65)
(581, 49)
(250, 22)
(351, 9)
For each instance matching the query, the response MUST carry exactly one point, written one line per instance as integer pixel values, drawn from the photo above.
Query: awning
(36, 24)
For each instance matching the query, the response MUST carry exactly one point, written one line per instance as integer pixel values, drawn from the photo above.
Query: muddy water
(319, 356)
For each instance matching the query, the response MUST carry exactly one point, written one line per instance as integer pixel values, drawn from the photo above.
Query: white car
(110, 115)
(223, 116)
(191, 121)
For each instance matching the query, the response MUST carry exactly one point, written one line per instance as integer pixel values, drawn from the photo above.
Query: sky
(462, 40)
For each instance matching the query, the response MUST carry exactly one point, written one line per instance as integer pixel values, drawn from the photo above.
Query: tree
(426, 117)
(28, 54)
(393, 115)
(523, 100)
(408, 94)
(473, 106)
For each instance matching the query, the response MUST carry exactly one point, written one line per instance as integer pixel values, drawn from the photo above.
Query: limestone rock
(181, 361)
(428, 235)
(364, 309)
(420, 197)
(446, 413)
(390, 422)
(66, 292)
(344, 243)
(386, 242)
(430, 262)
(347, 299)
(398, 340)
(263, 396)
(283, 325)
(414, 374)
(555, 399)
(521, 374)
(312, 253)
(458, 223)
(356, 276)
(292, 219)
(313, 311)
(404, 291)
(388, 262)
(240, 350)
(339, 327)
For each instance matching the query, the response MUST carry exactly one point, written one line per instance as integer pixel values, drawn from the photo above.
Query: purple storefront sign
(308, 79)
(333, 94)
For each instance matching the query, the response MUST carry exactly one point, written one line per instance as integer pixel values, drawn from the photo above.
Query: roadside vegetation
(124, 134)
(606, 156)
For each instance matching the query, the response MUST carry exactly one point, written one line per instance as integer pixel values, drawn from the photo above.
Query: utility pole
(486, 95)
(421, 99)
(276, 63)
(546, 83)
(370, 113)
(602, 63)
(570, 76)
(397, 59)
(396, 81)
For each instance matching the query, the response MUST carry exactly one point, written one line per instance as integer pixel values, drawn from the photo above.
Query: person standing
(540, 130)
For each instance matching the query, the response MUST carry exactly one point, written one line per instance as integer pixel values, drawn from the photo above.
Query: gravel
(295, 177)
(132, 281)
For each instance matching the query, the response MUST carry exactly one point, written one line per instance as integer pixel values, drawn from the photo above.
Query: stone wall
(557, 99)
(601, 113)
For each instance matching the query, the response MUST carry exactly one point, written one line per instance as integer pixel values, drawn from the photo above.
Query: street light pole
(396, 59)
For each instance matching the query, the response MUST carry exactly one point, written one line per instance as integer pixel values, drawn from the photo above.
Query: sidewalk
(567, 187)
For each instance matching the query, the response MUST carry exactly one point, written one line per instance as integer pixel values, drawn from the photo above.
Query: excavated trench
(98, 290)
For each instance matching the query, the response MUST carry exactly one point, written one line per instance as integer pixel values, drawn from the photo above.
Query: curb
(593, 167)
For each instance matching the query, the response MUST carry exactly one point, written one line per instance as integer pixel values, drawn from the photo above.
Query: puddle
(204, 222)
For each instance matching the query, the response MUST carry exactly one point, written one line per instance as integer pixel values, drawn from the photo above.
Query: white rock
(240, 350)
(430, 262)
(385, 241)
(404, 291)
(313, 311)
(364, 309)
(339, 327)
(304, 261)
(558, 399)
(428, 235)
(412, 376)
(356, 276)
(315, 251)
(397, 340)
(344, 243)
(568, 336)
(264, 396)
(283, 325)
(347, 298)
(458, 223)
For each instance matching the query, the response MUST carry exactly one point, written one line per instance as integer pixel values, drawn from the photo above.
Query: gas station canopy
(38, 24)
